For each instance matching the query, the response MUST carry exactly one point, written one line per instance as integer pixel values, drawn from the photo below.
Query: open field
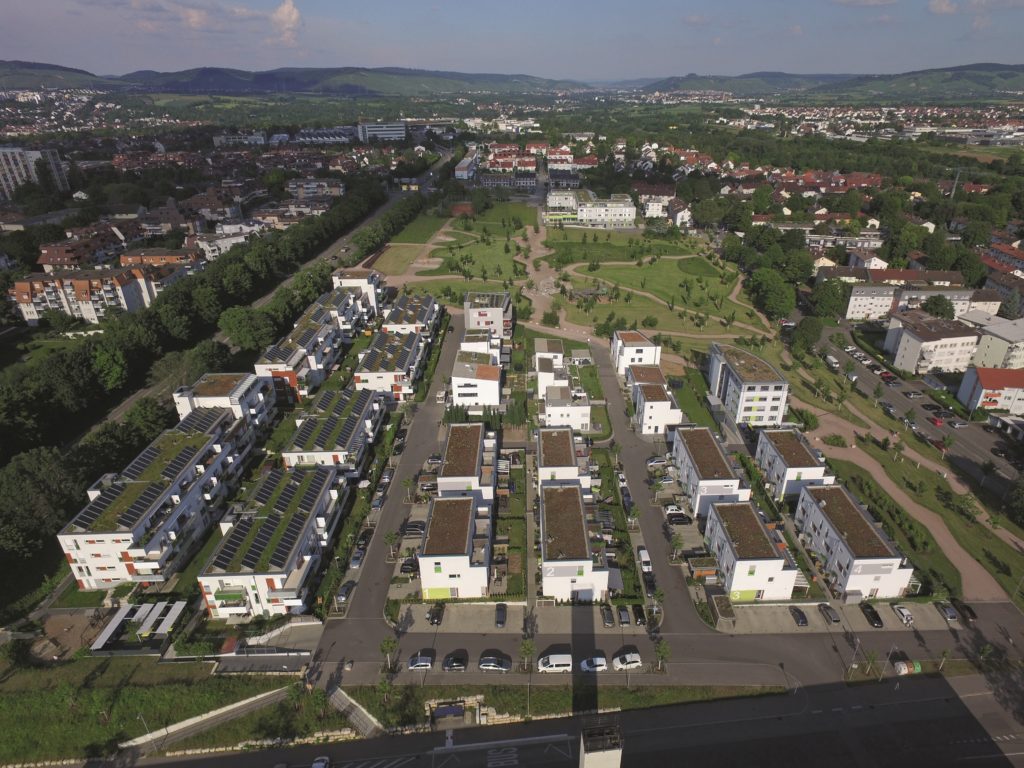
(478, 258)
(396, 259)
(984, 154)
(456, 288)
(507, 211)
(570, 248)
(690, 398)
(420, 229)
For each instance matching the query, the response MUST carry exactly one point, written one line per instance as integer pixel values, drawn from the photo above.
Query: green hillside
(31, 75)
(966, 83)
(753, 84)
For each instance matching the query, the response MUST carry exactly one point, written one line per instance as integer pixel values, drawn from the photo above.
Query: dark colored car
(967, 614)
(830, 614)
(650, 586)
(401, 434)
(932, 407)
(410, 566)
(436, 615)
(456, 661)
(871, 615)
(999, 453)
(624, 616)
(799, 617)
(607, 617)
(500, 615)
(346, 591)
(364, 538)
(397, 449)
(640, 615)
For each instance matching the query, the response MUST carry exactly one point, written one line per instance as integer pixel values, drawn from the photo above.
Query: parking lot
(754, 619)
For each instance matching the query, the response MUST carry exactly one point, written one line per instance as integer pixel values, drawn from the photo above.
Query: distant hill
(30, 74)
(753, 84)
(352, 81)
(971, 81)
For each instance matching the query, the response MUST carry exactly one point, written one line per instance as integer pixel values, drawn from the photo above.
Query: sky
(596, 40)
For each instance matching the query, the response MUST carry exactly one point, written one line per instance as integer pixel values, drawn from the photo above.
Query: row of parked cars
(952, 611)
(493, 660)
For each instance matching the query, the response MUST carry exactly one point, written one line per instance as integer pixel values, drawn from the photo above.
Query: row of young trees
(43, 402)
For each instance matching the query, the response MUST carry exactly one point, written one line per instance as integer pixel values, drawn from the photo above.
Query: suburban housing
(750, 565)
(788, 463)
(748, 389)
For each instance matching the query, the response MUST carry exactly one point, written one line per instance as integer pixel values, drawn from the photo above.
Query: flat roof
(565, 533)
(706, 454)
(929, 328)
(634, 339)
(448, 531)
(411, 309)
(355, 273)
(549, 346)
(647, 374)
(219, 384)
(335, 420)
(556, 448)
(791, 447)
(850, 521)
(486, 300)
(462, 451)
(745, 531)
(389, 352)
(654, 393)
(748, 367)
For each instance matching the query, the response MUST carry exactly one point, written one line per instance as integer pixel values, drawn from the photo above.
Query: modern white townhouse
(476, 380)
(468, 464)
(920, 343)
(337, 430)
(559, 408)
(1001, 344)
(561, 460)
(633, 348)
(751, 566)
(643, 374)
(369, 282)
(482, 342)
(705, 474)
(413, 314)
(456, 558)
(247, 397)
(273, 543)
(349, 309)
(549, 374)
(994, 389)
(788, 463)
(655, 409)
(551, 349)
(570, 571)
(392, 364)
(750, 390)
(142, 524)
(299, 362)
(492, 312)
(859, 560)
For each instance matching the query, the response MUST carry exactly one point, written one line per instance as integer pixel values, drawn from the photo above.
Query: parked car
(594, 664)
(385, 478)
(935, 420)
(435, 459)
(346, 591)
(401, 434)
(799, 617)
(650, 585)
(624, 620)
(409, 567)
(946, 611)
(607, 617)
(849, 349)
(904, 615)
(357, 558)
(871, 615)
(456, 661)
(656, 461)
(627, 660)
(830, 614)
(622, 480)
(378, 501)
(965, 611)
(494, 662)
(639, 615)
(413, 528)
(321, 762)
(420, 660)
(931, 407)
(435, 615)
(644, 558)
(627, 500)
(958, 424)
(363, 540)
(672, 509)
(396, 450)
(894, 383)
(914, 395)
(944, 414)
(678, 518)
(500, 614)
(999, 453)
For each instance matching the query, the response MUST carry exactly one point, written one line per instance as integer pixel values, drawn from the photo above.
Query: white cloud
(942, 7)
(286, 20)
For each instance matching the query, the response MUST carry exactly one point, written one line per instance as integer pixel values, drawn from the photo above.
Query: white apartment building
(549, 375)
(655, 409)
(314, 187)
(560, 461)
(995, 389)
(1001, 344)
(705, 474)
(751, 566)
(551, 349)
(299, 362)
(919, 343)
(273, 545)
(570, 571)
(348, 308)
(750, 390)
(456, 557)
(858, 559)
(337, 430)
(482, 342)
(580, 207)
(413, 314)
(492, 312)
(392, 364)
(558, 408)
(633, 348)
(788, 463)
(476, 380)
(143, 524)
(369, 281)
(247, 397)
(18, 166)
(467, 467)
(381, 132)
(643, 374)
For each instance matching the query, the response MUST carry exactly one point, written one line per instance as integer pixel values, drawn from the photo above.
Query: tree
(830, 297)
(939, 306)
(250, 329)
(388, 646)
(662, 651)
(676, 544)
(772, 294)
(526, 650)
(391, 538)
(947, 443)
(408, 484)
(550, 318)
(807, 333)
(39, 491)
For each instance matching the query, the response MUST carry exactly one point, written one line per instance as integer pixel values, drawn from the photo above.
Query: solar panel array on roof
(285, 498)
(330, 424)
(140, 506)
(141, 463)
(200, 420)
(98, 506)
(327, 400)
(276, 354)
(291, 535)
(346, 432)
(305, 432)
(259, 544)
(322, 478)
(306, 337)
(231, 544)
(342, 404)
(268, 486)
(179, 462)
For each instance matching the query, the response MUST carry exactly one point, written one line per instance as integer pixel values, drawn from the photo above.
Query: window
(751, 570)
(437, 567)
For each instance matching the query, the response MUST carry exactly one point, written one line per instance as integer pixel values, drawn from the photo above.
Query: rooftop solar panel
(305, 432)
(141, 505)
(178, 464)
(285, 498)
(330, 424)
(287, 542)
(141, 463)
(200, 420)
(98, 506)
(260, 542)
(231, 544)
(306, 337)
(347, 431)
(276, 354)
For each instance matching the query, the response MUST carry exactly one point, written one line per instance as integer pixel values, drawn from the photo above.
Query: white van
(555, 662)
(645, 559)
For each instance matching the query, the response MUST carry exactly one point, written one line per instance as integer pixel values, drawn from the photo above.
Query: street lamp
(885, 661)
(853, 658)
(144, 723)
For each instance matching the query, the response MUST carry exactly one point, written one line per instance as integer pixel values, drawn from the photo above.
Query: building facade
(492, 312)
(456, 556)
(705, 475)
(751, 566)
(392, 364)
(920, 343)
(633, 348)
(749, 390)
(788, 463)
(994, 389)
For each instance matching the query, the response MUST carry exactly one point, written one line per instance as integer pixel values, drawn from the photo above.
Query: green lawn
(600, 423)
(690, 397)
(635, 310)
(83, 708)
(452, 290)
(590, 381)
(420, 229)
(396, 259)
(507, 211)
(530, 335)
(477, 257)
(73, 597)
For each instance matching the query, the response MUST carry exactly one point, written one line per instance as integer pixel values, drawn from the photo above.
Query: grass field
(83, 708)
(479, 259)
(420, 229)
(507, 211)
(690, 397)
(458, 288)
(569, 247)
(396, 259)
(590, 381)
(73, 597)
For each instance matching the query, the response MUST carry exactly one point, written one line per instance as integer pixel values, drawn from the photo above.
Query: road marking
(815, 711)
(857, 706)
(837, 709)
